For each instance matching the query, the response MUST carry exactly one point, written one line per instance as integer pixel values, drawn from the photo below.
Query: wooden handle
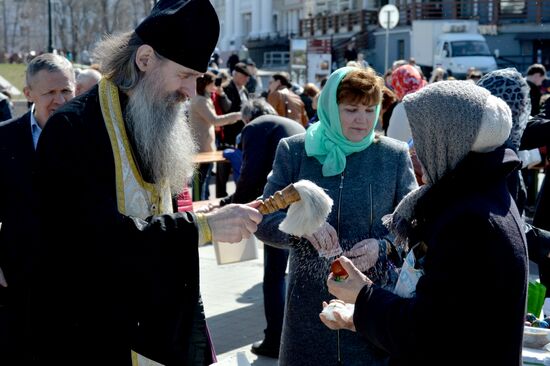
(280, 200)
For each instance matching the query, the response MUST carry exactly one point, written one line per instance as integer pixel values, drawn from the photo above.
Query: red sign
(319, 46)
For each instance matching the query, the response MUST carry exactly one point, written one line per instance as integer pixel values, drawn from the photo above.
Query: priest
(116, 278)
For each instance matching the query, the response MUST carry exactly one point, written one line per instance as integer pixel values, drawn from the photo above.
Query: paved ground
(233, 302)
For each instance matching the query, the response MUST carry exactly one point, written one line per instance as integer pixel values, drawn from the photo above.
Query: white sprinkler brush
(309, 207)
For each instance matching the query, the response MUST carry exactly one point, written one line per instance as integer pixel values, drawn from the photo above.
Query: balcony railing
(487, 12)
(319, 25)
(276, 59)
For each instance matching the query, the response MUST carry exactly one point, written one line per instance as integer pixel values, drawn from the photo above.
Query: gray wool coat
(385, 169)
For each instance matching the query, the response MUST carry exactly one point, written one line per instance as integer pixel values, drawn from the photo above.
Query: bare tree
(18, 6)
(140, 9)
(85, 22)
(77, 24)
(108, 12)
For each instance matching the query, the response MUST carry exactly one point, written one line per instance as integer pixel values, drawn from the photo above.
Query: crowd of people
(429, 179)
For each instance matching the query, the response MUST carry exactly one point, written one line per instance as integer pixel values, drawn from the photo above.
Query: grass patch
(15, 74)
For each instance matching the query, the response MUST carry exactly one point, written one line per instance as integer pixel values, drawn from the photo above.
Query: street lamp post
(50, 42)
(5, 27)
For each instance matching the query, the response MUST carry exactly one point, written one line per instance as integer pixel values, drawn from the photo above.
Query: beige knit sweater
(203, 118)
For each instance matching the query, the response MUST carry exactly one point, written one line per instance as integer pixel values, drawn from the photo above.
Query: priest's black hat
(184, 31)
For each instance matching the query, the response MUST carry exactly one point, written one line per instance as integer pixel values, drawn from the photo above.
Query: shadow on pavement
(237, 328)
(253, 295)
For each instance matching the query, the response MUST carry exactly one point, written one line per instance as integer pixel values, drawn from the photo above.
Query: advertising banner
(319, 60)
(298, 60)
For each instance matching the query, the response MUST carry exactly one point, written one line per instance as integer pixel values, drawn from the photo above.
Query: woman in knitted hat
(462, 224)
(510, 86)
(366, 176)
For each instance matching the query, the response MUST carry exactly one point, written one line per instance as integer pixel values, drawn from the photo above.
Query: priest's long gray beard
(162, 136)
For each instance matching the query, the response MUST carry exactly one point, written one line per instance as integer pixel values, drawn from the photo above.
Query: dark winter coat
(107, 283)
(17, 164)
(383, 170)
(469, 306)
(231, 131)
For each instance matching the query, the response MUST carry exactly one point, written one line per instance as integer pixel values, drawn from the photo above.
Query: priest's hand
(347, 290)
(207, 208)
(234, 222)
(3, 281)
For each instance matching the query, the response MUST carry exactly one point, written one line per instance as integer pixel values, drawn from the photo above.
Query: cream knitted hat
(448, 120)
(496, 123)
(510, 86)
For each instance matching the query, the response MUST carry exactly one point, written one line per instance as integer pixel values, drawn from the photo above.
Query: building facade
(518, 31)
(263, 28)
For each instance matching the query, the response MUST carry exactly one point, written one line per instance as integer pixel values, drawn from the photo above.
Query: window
(446, 50)
(470, 48)
(247, 23)
(400, 49)
(512, 7)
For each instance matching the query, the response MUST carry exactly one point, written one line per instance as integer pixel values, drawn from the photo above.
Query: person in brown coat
(285, 101)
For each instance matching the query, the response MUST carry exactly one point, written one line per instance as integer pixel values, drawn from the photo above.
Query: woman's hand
(348, 289)
(364, 254)
(343, 318)
(325, 240)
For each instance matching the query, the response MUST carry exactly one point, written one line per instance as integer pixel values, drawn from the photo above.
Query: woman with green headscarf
(366, 175)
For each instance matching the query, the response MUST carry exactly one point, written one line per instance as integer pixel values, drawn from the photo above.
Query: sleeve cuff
(364, 294)
(205, 233)
(360, 303)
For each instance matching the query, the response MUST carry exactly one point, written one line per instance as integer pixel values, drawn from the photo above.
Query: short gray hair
(49, 62)
(255, 108)
(117, 54)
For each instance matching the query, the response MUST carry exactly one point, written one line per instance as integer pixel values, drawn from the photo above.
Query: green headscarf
(324, 140)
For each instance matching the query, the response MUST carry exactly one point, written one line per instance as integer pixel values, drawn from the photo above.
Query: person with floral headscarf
(366, 175)
(404, 80)
(461, 225)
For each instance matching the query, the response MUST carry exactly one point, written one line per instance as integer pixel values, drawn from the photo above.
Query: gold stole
(135, 197)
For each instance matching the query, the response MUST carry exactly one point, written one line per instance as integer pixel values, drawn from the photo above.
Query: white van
(456, 52)
(454, 45)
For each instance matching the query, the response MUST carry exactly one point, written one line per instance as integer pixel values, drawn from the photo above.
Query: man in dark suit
(50, 82)
(260, 136)
(236, 94)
